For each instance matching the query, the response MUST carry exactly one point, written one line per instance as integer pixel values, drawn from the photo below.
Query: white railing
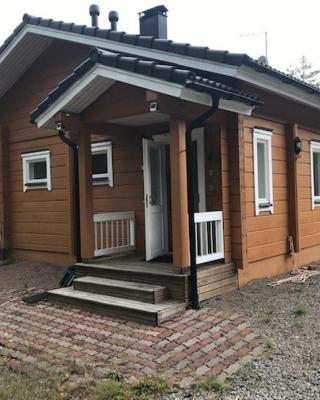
(209, 236)
(113, 232)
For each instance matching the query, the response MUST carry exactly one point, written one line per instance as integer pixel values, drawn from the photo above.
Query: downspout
(191, 168)
(76, 192)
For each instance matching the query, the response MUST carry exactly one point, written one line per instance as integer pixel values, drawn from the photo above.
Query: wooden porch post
(179, 193)
(86, 197)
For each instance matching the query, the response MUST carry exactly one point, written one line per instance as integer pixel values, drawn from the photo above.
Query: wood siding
(127, 193)
(39, 221)
(309, 219)
(267, 234)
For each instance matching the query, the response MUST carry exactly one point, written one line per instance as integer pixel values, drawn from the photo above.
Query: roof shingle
(184, 49)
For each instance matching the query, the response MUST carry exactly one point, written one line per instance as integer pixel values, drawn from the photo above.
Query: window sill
(264, 208)
(35, 187)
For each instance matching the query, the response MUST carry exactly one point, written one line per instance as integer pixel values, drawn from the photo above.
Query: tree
(304, 71)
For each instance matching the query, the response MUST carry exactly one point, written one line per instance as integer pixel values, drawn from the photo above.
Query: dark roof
(141, 66)
(183, 49)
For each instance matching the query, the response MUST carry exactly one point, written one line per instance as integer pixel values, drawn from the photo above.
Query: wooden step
(123, 289)
(176, 284)
(152, 314)
(216, 280)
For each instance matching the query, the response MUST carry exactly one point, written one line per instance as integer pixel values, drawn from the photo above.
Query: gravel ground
(23, 276)
(288, 316)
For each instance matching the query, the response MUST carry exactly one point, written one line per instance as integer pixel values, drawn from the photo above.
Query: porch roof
(148, 69)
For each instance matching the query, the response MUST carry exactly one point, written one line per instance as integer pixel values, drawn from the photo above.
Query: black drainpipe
(76, 195)
(191, 170)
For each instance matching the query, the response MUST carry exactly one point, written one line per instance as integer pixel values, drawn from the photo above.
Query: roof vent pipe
(113, 18)
(94, 11)
(153, 22)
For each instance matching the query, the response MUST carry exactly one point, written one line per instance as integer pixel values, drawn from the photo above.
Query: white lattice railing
(113, 232)
(209, 236)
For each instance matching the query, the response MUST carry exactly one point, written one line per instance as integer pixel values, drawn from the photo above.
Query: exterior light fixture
(297, 145)
(153, 106)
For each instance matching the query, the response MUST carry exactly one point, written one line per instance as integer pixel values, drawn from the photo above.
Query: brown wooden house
(148, 161)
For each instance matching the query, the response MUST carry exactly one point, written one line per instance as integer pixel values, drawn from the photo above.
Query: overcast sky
(293, 26)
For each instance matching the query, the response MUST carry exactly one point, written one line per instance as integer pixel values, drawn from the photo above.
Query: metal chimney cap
(113, 16)
(94, 9)
(154, 11)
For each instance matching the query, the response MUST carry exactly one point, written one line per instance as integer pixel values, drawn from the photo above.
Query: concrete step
(124, 289)
(151, 314)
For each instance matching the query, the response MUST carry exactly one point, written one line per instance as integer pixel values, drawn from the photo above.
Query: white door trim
(149, 229)
(198, 136)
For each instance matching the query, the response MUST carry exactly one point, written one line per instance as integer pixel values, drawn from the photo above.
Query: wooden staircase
(146, 296)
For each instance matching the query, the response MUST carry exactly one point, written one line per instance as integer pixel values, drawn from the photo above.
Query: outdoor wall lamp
(153, 106)
(297, 145)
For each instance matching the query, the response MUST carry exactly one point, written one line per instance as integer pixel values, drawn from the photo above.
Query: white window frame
(103, 148)
(314, 148)
(36, 184)
(260, 204)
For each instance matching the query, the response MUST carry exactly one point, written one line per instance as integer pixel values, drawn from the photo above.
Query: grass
(146, 389)
(18, 386)
(299, 311)
(212, 385)
(75, 384)
(248, 369)
(269, 344)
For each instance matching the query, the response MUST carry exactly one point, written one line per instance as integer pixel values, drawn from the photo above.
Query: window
(262, 158)
(315, 173)
(102, 163)
(36, 170)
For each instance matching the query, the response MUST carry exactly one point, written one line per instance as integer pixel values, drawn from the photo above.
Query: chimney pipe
(113, 18)
(153, 22)
(94, 11)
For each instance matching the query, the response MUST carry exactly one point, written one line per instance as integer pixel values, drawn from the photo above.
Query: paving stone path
(193, 346)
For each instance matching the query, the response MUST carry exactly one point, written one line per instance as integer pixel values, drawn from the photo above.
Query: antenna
(259, 34)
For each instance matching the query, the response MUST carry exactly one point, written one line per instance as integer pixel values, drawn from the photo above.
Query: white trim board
(314, 148)
(266, 136)
(244, 73)
(154, 84)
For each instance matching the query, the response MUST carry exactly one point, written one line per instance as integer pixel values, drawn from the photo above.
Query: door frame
(198, 136)
(148, 230)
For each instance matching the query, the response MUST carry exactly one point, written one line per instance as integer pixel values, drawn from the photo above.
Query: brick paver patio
(193, 346)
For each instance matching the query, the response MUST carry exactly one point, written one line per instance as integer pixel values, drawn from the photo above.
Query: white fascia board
(206, 100)
(63, 101)
(145, 82)
(191, 62)
(275, 85)
(235, 106)
(13, 44)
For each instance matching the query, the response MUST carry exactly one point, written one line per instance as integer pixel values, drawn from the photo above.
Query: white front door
(154, 198)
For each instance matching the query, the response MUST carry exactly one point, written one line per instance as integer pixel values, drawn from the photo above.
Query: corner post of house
(292, 178)
(235, 134)
(80, 133)
(179, 193)
(4, 192)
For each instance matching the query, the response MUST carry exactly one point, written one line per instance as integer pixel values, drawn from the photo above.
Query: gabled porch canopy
(103, 68)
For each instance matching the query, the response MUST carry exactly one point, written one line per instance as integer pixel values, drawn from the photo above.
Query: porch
(129, 287)
(136, 196)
